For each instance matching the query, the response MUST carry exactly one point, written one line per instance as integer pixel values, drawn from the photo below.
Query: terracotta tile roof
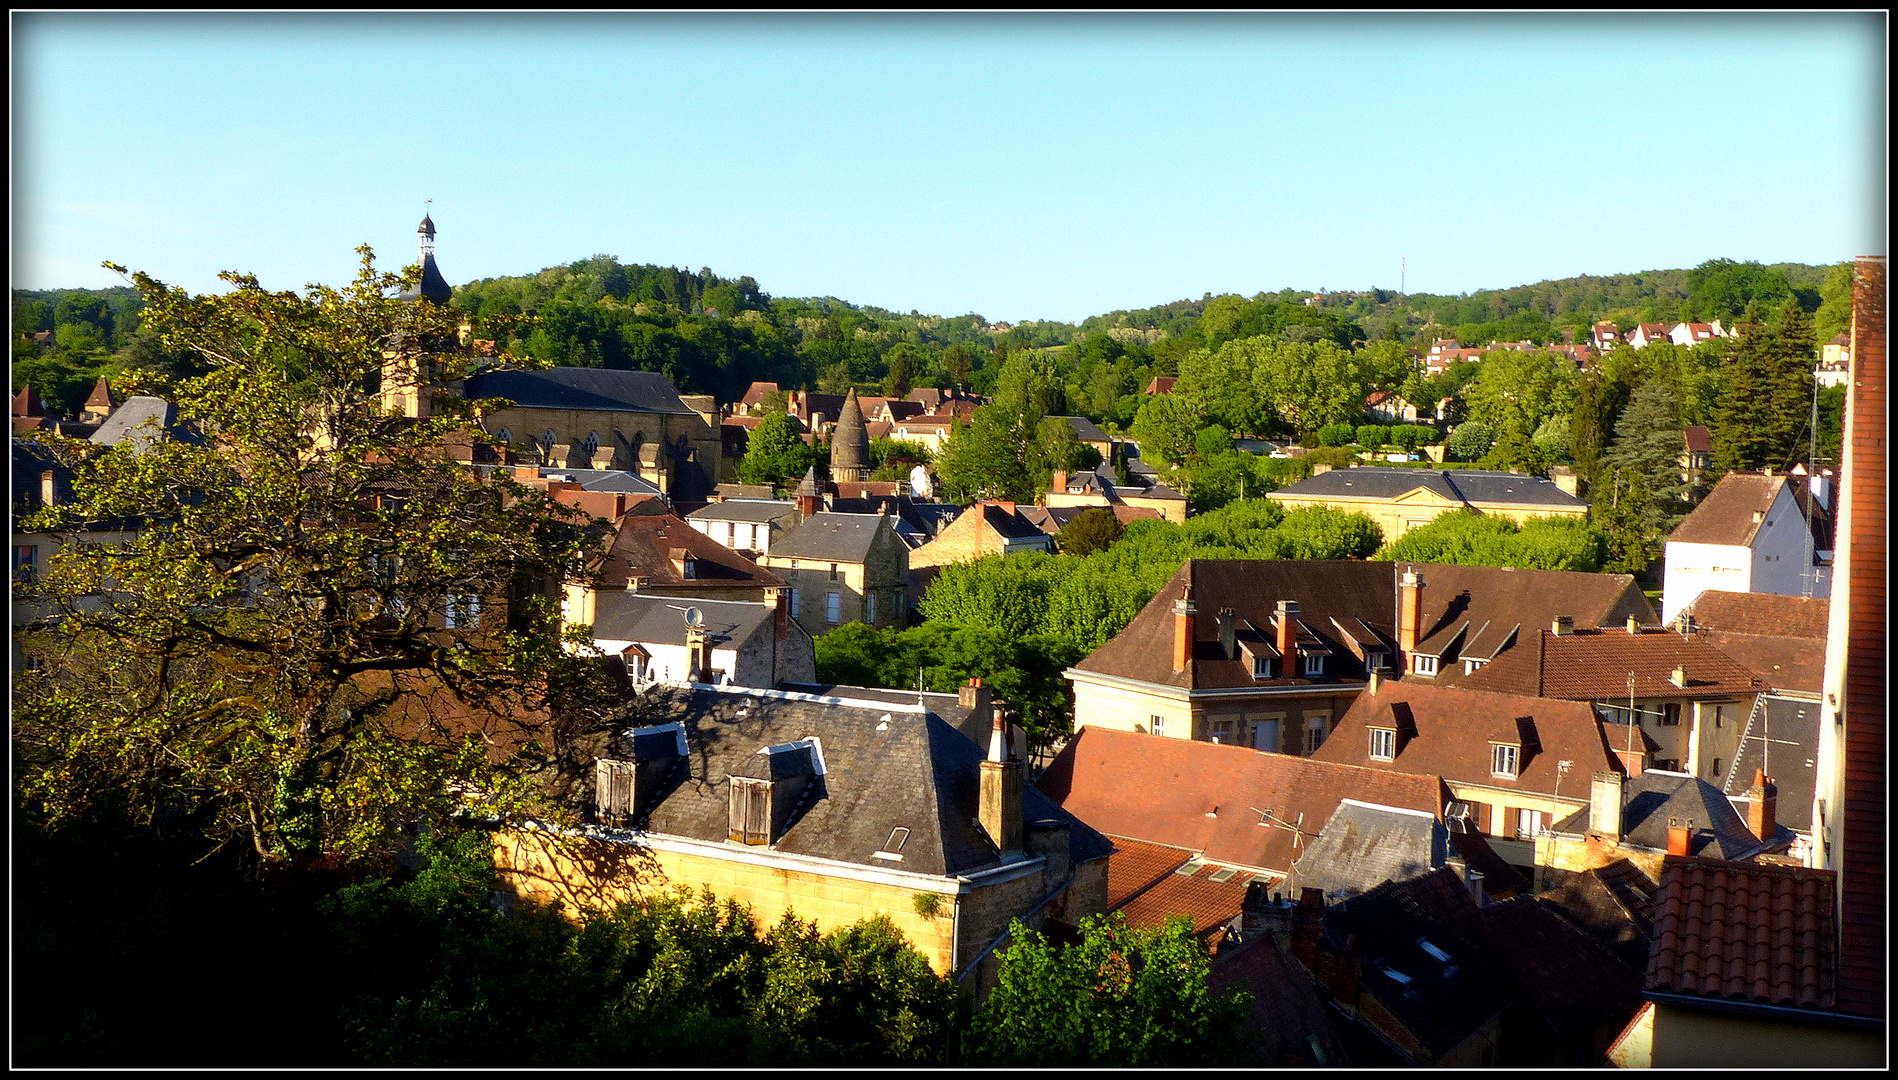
(1161, 384)
(1593, 665)
(1565, 978)
(1761, 613)
(1744, 932)
(757, 392)
(1796, 665)
(1697, 439)
(1136, 866)
(644, 541)
(1612, 904)
(1206, 797)
(1158, 892)
(1725, 515)
(1447, 732)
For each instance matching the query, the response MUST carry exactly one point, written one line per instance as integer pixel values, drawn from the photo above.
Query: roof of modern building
(1598, 664)
(745, 510)
(1449, 732)
(1209, 798)
(645, 618)
(883, 767)
(1781, 737)
(643, 544)
(1654, 799)
(1761, 613)
(1734, 512)
(831, 537)
(1471, 486)
(579, 388)
(1347, 607)
(1752, 932)
(142, 421)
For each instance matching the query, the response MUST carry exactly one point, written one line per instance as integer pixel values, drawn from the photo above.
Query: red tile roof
(1161, 384)
(1697, 438)
(1762, 613)
(642, 546)
(1594, 665)
(1142, 884)
(1744, 932)
(1208, 798)
(1447, 732)
(1794, 664)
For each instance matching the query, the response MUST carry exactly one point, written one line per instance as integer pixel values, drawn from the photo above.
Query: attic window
(1383, 744)
(1502, 760)
(1314, 663)
(1470, 665)
(1261, 667)
(1424, 944)
(1222, 875)
(1190, 867)
(1423, 665)
(1401, 978)
(893, 847)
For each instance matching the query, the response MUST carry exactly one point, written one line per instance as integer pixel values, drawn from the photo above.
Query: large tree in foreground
(323, 625)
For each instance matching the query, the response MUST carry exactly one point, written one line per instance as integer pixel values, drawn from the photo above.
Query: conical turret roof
(850, 441)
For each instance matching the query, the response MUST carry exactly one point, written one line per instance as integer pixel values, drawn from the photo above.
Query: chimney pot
(1762, 811)
(1679, 839)
(1373, 682)
(1634, 625)
(49, 489)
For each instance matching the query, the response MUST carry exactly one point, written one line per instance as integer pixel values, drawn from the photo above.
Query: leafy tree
(1470, 441)
(1623, 509)
(1411, 436)
(1335, 435)
(1765, 398)
(1552, 438)
(1517, 391)
(1311, 385)
(1834, 316)
(275, 652)
(1371, 436)
(1120, 997)
(1166, 427)
(1093, 529)
(1648, 439)
(1514, 452)
(775, 452)
(1467, 538)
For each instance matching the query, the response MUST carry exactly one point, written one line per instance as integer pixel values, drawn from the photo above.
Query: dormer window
(1503, 760)
(1261, 667)
(1423, 665)
(1383, 744)
(1472, 665)
(1314, 663)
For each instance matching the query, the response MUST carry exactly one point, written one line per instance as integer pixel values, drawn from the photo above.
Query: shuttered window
(749, 817)
(613, 789)
(1483, 810)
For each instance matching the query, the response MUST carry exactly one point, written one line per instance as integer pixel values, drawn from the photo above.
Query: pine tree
(1793, 351)
(1648, 442)
(1743, 421)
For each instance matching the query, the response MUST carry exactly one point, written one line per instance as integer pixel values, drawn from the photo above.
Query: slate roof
(1725, 515)
(1593, 665)
(650, 619)
(1440, 1001)
(1342, 602)
(1654, 798)
(1791, 759)
(30, 460)
(1612, 904)
(1462, 485)
(1085, 429)
(1206, 797)
(1447, 732)
(1745, 932)
(1144, 884)
(974, 723)
(1761, 613)
(744, 491)
(642, 545)
(829, 537)
(592, 389)
(1365, 845)
(604, 480)
(757, 510)
(1569, 982)
(142, 420)
(885, 767)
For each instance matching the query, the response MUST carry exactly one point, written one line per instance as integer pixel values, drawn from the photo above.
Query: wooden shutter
(1483, 811)
(748, 817)
(613, 789)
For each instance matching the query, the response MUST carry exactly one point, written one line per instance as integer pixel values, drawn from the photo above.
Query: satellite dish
(919, 484)
(694, 618)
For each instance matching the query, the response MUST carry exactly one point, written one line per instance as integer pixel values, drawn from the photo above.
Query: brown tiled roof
(1761, 613)
(1207, 797)
(1593, 665)
(748, 423)
(1287, 1017)
(1161, 384)
(757, 392)
(101, 396)
(1744, 932)
(1794, 664)
(1447, 732)
(1344, 599)
(1725, 516)
(1697, 438)
(643, 544)
(1568, 980)
(1142, 884)
(1612, 904)
(27, 403)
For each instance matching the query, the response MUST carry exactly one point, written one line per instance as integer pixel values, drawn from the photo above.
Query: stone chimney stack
(1606, 792)
(1308, 925)
(1762, 811)
(1409, 614)
(49, 489)
(1000, 809)
(1183, 613)
(1228, 632)
(1563, 626)
(1288, 637)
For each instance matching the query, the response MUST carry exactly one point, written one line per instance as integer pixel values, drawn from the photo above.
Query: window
(834, 608)
(1261, 667)
(689, 568)
(463, 612)
(1423, 665)
(24, 556)
(1502, 760)
(1156, 724)
(1670, 714)
(834, 575)
(1716, 768)
(1383, 744)
(1265, 734)
(892, 848)
(1530, 823)
(869, 607)
(1222, 732)
(1314, 734)
(749, 812)
(1472, 665)
(793, 603)
(1314, 663)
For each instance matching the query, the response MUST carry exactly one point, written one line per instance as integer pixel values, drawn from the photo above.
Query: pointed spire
(27, 402)
(850, 442)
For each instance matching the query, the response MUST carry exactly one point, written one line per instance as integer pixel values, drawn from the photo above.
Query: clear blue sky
(1021, 167)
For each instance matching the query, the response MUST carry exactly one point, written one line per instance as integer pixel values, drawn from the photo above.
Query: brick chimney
(1762, 811)
(1680, 836)
(1409, 614)
(973, 696)
(780, 612)
(1000, 809)
(1288, 637)
(1308, 925)
(1606, 792)
(1059, 481)
(1228, 632)
(1183, 612)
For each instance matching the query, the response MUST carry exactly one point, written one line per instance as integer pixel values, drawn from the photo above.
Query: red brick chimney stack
(1762, 809)
(1409, 614)
(1183, 612)
(1288, 637)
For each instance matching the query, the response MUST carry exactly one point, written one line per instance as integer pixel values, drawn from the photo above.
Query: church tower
(850, 442)
(402, 390)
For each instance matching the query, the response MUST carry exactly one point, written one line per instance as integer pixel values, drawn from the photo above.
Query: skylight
(1425, 945)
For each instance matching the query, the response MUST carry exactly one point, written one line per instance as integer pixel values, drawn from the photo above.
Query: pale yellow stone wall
(885, 572)
(1501, 802)
(1173, 510)
(1127, 709)
(965, 539)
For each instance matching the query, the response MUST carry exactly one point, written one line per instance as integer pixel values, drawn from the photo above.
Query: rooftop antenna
(1806, 573)
(1634, 719)
(1403, 267)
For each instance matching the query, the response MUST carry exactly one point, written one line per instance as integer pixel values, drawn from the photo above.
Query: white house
(747, 525)
(740, 643)
(1752, 533)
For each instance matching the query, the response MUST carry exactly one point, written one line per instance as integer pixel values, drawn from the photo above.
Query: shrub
(1336, 434)
(1470, 441)
(1371, 436)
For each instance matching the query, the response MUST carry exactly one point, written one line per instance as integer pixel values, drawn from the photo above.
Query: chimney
(1288, 637)
(1759, 516)
(1566, 480)
(1680, 836)
(1409, 614)
(1308, 925)
(1228, 632)
(1762, 812)
(780, 613)
(49, 489)
(1563, 626)
(973, 695)
(1183, 612)
(1000, 806)
(1679, 677)
(1634, 625)
(1059, 481)
(1320, 470)
(1373, 681)
(1606, 793)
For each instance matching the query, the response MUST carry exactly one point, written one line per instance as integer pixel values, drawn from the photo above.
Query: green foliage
(1515, 391)
(1552, 438)
(1515, 452)
(1470, 441)
(1467, 538)
(1371, 436)
(1093, 529)
(1336, 435)
(1647, 446)
(1834, 316)
(1165, 427)
(1411, 436)
(1723, 289)
(1761, 416)
(1012, 444)
(775, 452)
(1122, 997)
